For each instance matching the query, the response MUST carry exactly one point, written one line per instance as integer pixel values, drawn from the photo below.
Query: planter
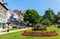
(52, 33)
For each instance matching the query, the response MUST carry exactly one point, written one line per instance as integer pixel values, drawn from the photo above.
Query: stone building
(3, 13)
(20, 15)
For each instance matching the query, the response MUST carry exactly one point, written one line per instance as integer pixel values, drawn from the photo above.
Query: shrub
(39, 27)
(51, 33)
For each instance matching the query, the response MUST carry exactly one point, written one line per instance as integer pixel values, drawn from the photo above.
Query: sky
(40, 5)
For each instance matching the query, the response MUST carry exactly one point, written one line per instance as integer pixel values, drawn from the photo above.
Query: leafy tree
(49, 14)
(58, 15)
(32, 16)
(46, 22)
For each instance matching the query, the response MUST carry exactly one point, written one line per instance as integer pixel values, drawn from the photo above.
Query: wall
(3, 14)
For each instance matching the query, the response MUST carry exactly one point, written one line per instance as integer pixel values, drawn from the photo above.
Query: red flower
(23, 33)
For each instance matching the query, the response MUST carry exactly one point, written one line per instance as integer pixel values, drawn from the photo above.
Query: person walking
(8, 23)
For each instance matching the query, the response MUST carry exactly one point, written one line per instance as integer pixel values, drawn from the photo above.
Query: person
(8, 23)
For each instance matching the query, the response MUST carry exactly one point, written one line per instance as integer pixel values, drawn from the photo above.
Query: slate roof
(4, 6)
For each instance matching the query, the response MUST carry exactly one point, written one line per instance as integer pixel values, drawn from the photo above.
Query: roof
(19, 12)
(4, 6)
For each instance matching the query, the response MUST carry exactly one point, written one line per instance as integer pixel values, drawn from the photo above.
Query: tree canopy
(48, 18)
(32, 16)
(49, 14)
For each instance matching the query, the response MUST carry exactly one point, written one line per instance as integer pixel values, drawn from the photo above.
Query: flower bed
(51, 33)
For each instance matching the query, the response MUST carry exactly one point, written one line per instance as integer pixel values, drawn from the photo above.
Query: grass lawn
(17, 35)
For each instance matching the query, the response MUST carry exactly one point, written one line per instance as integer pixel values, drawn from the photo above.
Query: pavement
(13, 30)
(2, 29)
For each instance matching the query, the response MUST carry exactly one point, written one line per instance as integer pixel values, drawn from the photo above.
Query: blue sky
(40, 5)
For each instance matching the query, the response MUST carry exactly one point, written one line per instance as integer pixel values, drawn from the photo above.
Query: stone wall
(3, 13)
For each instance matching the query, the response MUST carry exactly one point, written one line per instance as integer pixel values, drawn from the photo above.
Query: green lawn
(18, 35)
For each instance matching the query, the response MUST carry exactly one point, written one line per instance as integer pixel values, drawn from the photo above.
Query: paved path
(14, 31)
(2, 29)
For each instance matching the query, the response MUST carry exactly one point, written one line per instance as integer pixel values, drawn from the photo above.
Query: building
(2, 1)
(20, 15)
(3, 13)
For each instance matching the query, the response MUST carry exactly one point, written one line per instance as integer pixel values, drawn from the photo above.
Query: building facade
(20, 15)
(3, 13)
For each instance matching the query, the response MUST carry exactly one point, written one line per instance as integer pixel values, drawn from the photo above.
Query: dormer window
(2, 1)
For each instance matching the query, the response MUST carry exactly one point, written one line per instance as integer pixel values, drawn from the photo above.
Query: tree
(32, 16)
(46, 22)
(58, 17)
(49, 14)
